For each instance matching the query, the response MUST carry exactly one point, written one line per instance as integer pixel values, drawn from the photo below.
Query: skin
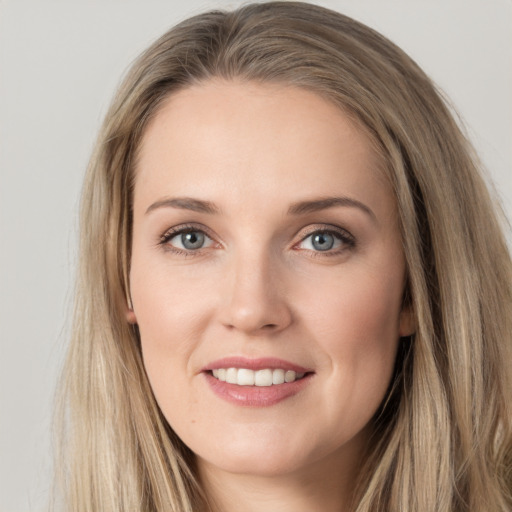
(260, 288)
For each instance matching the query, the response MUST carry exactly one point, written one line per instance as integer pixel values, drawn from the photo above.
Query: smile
(259, 382)
(264, 377)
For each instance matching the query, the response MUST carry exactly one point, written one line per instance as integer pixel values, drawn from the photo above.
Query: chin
(262, 464)
(256, 454)
(264, 456)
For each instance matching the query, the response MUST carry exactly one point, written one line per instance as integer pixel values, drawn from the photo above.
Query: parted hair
(442, 439)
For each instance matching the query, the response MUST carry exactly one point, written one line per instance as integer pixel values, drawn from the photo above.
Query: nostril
(252, 313)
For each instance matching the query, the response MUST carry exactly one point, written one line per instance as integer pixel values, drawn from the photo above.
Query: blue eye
(193, 240)
(324, 241)
(187, 240)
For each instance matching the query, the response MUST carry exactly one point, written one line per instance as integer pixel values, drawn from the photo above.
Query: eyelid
(348, 240)
(174, 231)
(329, 228)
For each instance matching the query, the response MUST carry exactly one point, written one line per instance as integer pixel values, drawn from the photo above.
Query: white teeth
(263, 378)
(231, 375)
(278, 377)
(246, 377)
(289, 376)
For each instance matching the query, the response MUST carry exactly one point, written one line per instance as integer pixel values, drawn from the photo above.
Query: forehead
(254, 138)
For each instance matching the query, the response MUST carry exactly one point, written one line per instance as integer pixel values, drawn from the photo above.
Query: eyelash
(347, 239)
(348, 242)
(181, 230)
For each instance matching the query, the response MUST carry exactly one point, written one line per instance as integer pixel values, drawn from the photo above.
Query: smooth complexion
(265, 236)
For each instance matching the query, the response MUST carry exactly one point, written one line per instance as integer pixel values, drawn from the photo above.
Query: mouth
(256, 382)
(263, 378)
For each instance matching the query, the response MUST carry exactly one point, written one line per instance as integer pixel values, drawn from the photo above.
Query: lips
(256, 382)
(248, 377)
(255, 364)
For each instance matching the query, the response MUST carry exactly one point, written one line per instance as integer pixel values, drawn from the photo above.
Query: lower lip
(256, 396)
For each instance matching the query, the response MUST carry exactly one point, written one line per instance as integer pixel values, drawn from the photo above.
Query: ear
(129, 313)
(407, 326)
(130, 316)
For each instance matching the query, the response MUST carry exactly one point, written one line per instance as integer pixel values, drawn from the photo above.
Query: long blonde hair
(443, 437)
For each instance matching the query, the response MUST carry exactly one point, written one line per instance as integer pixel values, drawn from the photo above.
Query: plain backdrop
(60, 62)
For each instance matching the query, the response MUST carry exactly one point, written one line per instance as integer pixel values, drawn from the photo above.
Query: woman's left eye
(325, 241)
(187, 240)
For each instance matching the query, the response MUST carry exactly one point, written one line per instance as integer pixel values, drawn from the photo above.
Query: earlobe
(130, 316)
(129, 313)
(407, 322)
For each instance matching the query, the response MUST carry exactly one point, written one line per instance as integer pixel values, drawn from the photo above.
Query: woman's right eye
(187, 240)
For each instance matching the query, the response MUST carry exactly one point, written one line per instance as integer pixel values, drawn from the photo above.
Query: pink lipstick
(256, 382)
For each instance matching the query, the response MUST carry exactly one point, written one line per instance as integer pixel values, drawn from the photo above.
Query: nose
(255, 301)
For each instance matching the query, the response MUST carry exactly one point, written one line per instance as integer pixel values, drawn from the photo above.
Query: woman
(294, 289)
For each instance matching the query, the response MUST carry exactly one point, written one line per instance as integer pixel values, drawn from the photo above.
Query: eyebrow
(299, 208)
(316, 205)
(184, 203)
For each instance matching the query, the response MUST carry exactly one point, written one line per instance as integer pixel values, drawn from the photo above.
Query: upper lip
(261, 363)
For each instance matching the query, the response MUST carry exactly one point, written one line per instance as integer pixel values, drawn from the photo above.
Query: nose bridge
(255, 300)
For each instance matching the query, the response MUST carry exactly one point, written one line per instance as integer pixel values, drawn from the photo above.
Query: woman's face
(265, 248)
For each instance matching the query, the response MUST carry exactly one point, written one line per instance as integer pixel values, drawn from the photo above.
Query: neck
(326, 485)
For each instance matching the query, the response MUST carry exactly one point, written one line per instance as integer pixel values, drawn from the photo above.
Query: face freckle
(265, 239)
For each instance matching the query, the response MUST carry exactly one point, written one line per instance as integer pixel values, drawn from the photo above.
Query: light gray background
(59, 64)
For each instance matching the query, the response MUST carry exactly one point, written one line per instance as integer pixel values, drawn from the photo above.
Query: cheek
(165, 340)
(169, 305)
(156, 306)
(356, 324)
(173, 307)
(363, 307)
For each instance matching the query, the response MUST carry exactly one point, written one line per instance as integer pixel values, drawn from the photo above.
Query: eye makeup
(319, 240)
